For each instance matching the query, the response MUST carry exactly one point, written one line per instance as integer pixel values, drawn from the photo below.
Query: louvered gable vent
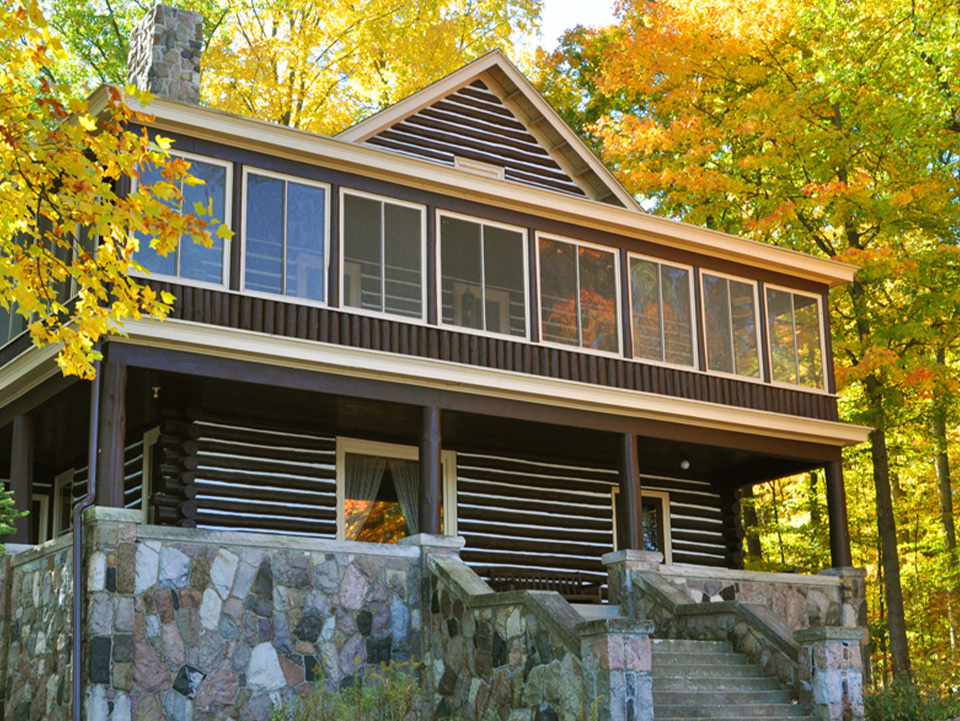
(472, 123)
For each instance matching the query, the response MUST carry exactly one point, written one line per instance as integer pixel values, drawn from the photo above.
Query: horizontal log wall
(534, 515)
(277, 317)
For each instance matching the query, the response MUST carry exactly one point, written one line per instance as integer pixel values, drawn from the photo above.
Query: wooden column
(630, 511)
(21, 475)
(112, 434)
(837, 510)
(431, 484)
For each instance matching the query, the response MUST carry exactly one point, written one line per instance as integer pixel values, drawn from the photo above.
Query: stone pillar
(21, 476)
(164, 56)
(616, 663)
(853, 605)
(830, 672)
(621, 565)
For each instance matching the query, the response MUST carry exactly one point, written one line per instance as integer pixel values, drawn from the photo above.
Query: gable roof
(488, 117)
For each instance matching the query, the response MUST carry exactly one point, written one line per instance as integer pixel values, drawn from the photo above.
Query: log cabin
(450, 321)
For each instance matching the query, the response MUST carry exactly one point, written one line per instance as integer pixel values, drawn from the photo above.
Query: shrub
(7, 514)
(916, 700)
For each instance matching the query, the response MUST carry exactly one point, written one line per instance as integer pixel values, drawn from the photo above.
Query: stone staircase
(698, 680)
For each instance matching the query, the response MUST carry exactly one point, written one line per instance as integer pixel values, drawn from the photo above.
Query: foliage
(61, 167)
(389, 692)
(831, 128)
(916, 700)
(7, 514)
(310, 65)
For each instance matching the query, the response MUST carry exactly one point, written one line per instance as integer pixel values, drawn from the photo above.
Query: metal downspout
(82, 505)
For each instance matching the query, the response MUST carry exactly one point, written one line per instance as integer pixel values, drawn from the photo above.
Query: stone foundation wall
(800, 601)
(36, 592)
(188, 625)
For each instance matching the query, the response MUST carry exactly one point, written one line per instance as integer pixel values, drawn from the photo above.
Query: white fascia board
(299, 145)
(27, 371)
(445, 375)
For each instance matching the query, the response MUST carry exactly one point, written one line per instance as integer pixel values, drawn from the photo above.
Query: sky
(559, 15)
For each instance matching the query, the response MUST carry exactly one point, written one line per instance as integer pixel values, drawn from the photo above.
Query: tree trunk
(754, 549)
(945, 487)
(899, 650)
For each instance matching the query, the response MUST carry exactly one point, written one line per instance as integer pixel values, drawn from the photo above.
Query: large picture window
(285, 232)
(190, 260)
(578, 295)
(383, 253)
(793, 326)
(661, 304)
(483, 276)
(730, 325)
(378, 491)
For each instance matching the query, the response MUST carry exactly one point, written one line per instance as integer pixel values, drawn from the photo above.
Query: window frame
(694, 324)
(758, 316)
(618, 300)
(360, 446)
(43, 521)
(483, 275)
(227, 220)
(341, 261)
(823, 343)
(664, 498)
(60, 481)
(286, 178)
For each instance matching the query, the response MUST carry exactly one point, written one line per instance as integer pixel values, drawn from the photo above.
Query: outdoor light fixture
(684, 464)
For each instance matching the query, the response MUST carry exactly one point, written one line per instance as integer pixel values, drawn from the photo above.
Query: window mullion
(663, 328)
(733, 345)
(176, 251)
(576, 249)
(383, 257)
(283, 241)
(483, 277)
(796, 346)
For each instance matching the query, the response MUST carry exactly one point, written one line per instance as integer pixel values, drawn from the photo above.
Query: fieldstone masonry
(831, 680)
(164, 58)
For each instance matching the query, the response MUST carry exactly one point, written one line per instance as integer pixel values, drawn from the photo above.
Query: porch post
(431, 487)
(837, 511)
(112, 434)
(21, 475)
(630, 511)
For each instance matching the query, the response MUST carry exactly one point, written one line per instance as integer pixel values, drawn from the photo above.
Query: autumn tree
(827, 127)
(311, 65)
(68, 237)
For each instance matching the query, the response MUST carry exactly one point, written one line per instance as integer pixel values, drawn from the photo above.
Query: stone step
(715, 683)
(686, 658)
(675, 645)
(732, 698)
(765, 711)
(702, 670)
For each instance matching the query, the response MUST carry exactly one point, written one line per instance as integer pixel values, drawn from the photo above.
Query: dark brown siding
(277, 317)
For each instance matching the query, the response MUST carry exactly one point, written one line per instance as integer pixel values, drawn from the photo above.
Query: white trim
(60, 482)
(617, 301)
(664, 498)
(383, 200)
(796, 351)
(448, 473)
(525, 242)
(337, 154)
(694, 316)
(430, 373)
(228, 193)
(27, 371)
(43, 521)
(761, 367)
(286, 179)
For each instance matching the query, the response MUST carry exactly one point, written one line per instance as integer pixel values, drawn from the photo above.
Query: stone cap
(829, 633)
(435, 542)
(632, 557)
(845, 572)
(618, 626)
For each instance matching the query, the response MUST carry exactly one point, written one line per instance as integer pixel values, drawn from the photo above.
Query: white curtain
(406, 478)
(363, 477)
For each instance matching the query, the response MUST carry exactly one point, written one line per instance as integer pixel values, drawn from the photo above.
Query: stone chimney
(164, 54)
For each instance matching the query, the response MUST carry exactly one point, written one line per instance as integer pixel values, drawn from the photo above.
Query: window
(793, 326)
(730, 325)
(284, 236)
(190, 260)
(578, 295)
(63, 499)
(378, 491)
(655, 506)
(383, 252)
(661, 303)
(483, 274)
